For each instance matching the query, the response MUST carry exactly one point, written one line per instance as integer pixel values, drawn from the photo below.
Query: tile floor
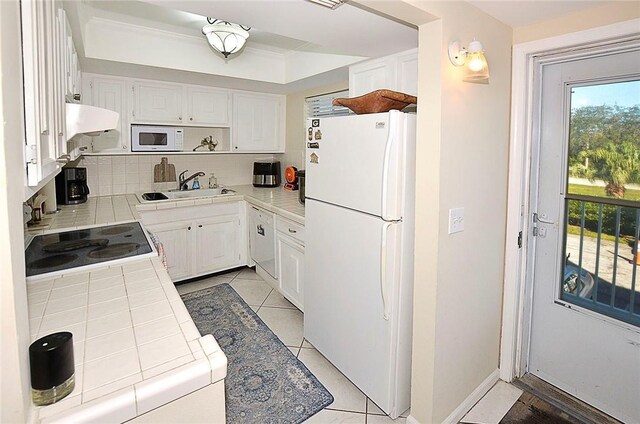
(350, 405)
(494, 405)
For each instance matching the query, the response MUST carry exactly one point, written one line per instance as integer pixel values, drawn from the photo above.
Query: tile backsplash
(109, 175)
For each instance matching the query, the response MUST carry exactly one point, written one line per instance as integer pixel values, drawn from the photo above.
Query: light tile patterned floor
(286, 321)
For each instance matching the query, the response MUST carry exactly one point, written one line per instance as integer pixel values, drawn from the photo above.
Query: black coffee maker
(71, 186)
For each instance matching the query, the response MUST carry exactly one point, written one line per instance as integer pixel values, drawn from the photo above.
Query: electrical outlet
(456, 220)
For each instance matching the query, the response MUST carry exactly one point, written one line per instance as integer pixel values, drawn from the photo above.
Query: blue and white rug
(265, 382)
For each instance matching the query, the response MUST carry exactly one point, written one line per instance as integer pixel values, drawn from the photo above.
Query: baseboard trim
(472, 399)
(411, 420)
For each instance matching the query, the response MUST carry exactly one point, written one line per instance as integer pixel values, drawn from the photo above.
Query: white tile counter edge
(209, 367)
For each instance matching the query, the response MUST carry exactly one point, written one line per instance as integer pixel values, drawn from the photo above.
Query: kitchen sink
(204, 192)
(185, 194)
(154, 196)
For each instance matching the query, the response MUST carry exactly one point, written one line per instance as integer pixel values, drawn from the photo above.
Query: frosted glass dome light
(226, 37)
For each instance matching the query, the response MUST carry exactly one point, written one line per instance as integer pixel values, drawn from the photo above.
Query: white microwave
(146, 138)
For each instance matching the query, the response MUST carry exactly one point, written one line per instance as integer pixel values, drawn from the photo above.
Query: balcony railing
(601, 247)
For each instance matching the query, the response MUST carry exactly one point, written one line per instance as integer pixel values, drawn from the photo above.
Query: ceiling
(293, 44)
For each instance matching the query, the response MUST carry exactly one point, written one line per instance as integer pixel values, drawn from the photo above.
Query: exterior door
(585, 326)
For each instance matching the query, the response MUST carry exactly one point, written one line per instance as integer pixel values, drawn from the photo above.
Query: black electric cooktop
(71, 249)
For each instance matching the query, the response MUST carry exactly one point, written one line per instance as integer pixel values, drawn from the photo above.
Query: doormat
(265, 382)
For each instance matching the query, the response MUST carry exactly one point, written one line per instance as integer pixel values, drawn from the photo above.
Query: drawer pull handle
(292, 231)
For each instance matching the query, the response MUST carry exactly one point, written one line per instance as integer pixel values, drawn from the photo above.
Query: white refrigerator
(360, 180)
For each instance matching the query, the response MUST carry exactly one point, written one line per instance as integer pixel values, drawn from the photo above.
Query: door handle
(260, 229)
(537, 218)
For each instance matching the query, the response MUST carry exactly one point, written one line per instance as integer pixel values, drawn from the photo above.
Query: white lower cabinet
(175, 238)
(290, 259)
(217, 244)
(200, 240)
(290, 256)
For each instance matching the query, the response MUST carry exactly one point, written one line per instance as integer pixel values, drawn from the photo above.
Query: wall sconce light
(475, 65)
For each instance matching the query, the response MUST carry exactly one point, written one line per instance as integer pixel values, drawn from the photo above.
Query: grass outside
(575, 230)
(587, 190)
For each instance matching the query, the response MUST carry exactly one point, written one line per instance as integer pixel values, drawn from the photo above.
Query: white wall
(296, 130)
(107, 175)
(14, 372)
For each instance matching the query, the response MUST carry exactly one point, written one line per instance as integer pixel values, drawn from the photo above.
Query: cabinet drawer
(290, 228)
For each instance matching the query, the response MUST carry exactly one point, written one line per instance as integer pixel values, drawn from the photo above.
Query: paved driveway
(624, 271)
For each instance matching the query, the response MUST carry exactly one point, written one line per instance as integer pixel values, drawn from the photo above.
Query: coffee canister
(52, 368)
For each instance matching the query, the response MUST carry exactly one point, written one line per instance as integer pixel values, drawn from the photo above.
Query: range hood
(89, 120)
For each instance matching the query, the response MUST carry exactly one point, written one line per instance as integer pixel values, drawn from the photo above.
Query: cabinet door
(408, 72)
(208, 106)
(176, 238)
(258, 123)
(291, 264)
(110, 93)
(38, 37)
(217, 244)
(372, 75)
(157, 103)
(60, 80)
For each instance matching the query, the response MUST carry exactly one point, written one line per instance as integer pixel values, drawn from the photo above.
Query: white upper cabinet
(258, 122)
(109, 93)
(408, 72)
(45, 144)
(372, 75)
(208, 106)
(157, 103)
(69, 65)
(398, 72)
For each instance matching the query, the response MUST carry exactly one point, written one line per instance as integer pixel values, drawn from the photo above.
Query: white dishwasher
(262, 240)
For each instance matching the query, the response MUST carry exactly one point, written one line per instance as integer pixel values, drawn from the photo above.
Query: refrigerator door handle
(385, 168)
(383, 271)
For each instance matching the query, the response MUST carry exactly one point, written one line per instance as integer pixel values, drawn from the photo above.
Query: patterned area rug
(265, 382)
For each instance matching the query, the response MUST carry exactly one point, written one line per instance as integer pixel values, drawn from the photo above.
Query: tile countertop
(135, 345)
(277, 200)
(120, 208)
(96, 210)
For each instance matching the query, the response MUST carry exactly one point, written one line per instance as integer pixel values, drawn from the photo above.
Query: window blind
(320, 106)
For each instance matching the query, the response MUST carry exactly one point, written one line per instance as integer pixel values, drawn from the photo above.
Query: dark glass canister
(52, 368)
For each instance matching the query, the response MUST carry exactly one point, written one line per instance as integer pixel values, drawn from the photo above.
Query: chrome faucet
(183, 182)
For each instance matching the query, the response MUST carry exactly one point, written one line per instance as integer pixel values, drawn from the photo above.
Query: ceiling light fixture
(331, 4)
(475, 64)
(225, 37)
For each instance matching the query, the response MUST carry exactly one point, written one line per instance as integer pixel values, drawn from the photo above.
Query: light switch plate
(456, 220)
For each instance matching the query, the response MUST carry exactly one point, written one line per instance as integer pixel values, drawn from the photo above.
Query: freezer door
(357, 161)
(350, 315)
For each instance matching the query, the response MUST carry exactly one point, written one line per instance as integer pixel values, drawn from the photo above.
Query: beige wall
(295, 125)
(462, 159)
(15, 395)
(610, 13)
